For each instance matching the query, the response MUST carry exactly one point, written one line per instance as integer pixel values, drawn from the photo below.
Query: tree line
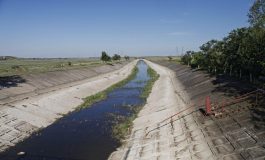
(116, 57)
(241, 53)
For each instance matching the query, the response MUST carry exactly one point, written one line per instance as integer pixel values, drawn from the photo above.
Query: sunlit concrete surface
(191, 134)
(20, 118)
(21, 87)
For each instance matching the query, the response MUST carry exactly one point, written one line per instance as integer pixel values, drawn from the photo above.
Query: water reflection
(85, 134)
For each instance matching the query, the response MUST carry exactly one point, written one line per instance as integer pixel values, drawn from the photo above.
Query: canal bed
(87, 133)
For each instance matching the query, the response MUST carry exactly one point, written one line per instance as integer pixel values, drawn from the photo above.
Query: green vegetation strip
(148, 87)
(120, 130)
(88, 101)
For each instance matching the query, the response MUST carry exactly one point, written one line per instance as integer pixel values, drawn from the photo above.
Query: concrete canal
(87, 133)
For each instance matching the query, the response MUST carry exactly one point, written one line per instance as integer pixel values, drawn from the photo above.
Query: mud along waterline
(85, 134)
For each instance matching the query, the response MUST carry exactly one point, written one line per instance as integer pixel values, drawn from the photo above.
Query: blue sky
(84, 28)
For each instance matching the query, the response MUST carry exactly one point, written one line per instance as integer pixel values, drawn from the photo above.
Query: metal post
(208, 105)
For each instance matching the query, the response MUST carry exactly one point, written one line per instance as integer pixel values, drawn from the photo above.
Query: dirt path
(172, 140)
(20, 118)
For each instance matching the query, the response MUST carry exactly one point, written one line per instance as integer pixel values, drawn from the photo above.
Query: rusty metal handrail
(235, 100)
(240, 98)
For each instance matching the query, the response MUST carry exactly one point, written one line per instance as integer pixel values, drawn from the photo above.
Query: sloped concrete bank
(191, 134)
(198, 84)
(153, 139)
(18, 119)
(20, 87)
(239, 132)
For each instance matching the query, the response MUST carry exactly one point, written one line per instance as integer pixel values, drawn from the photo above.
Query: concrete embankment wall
(233, 132)
(20, 118)
(27, 85)
(196, 84)
(199, 84)
(154, 137)
(169, 128)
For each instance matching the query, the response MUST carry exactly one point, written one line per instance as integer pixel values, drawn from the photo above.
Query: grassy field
(26, 66)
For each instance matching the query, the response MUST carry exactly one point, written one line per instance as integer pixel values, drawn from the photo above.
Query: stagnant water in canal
(84, 134)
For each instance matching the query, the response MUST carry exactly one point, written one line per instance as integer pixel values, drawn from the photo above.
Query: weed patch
(123, 128)
(149, 85)
(88, 101)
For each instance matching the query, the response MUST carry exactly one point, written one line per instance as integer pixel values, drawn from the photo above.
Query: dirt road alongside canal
(20, 118)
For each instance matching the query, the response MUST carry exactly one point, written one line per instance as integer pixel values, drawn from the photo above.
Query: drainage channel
(87, 133)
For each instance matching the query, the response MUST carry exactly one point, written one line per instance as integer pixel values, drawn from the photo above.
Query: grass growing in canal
(120, 130)
(88, 101)
(124, 126)
(148, 87)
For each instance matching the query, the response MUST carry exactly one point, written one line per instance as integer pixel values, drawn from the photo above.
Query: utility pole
(182, 49)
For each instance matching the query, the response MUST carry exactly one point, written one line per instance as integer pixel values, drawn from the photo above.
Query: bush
(105, 57)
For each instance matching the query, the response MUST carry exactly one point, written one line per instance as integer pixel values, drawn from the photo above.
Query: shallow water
(84, 134)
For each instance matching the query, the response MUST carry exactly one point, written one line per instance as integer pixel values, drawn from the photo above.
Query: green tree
(126, 58)
(212, 51)
(253, 47)
(232, 53)
(105, 57)
(252, 50)
(198, 60)
(186, 59)
(169, 58)
(241, 53)
(256, 15)
(116, 57)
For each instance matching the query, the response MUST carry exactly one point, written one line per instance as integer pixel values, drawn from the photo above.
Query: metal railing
(209, 107)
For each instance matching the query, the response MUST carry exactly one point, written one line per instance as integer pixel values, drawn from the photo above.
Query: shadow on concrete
(231, 86)
(37, 157)
(223, 84)
(11, 81)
